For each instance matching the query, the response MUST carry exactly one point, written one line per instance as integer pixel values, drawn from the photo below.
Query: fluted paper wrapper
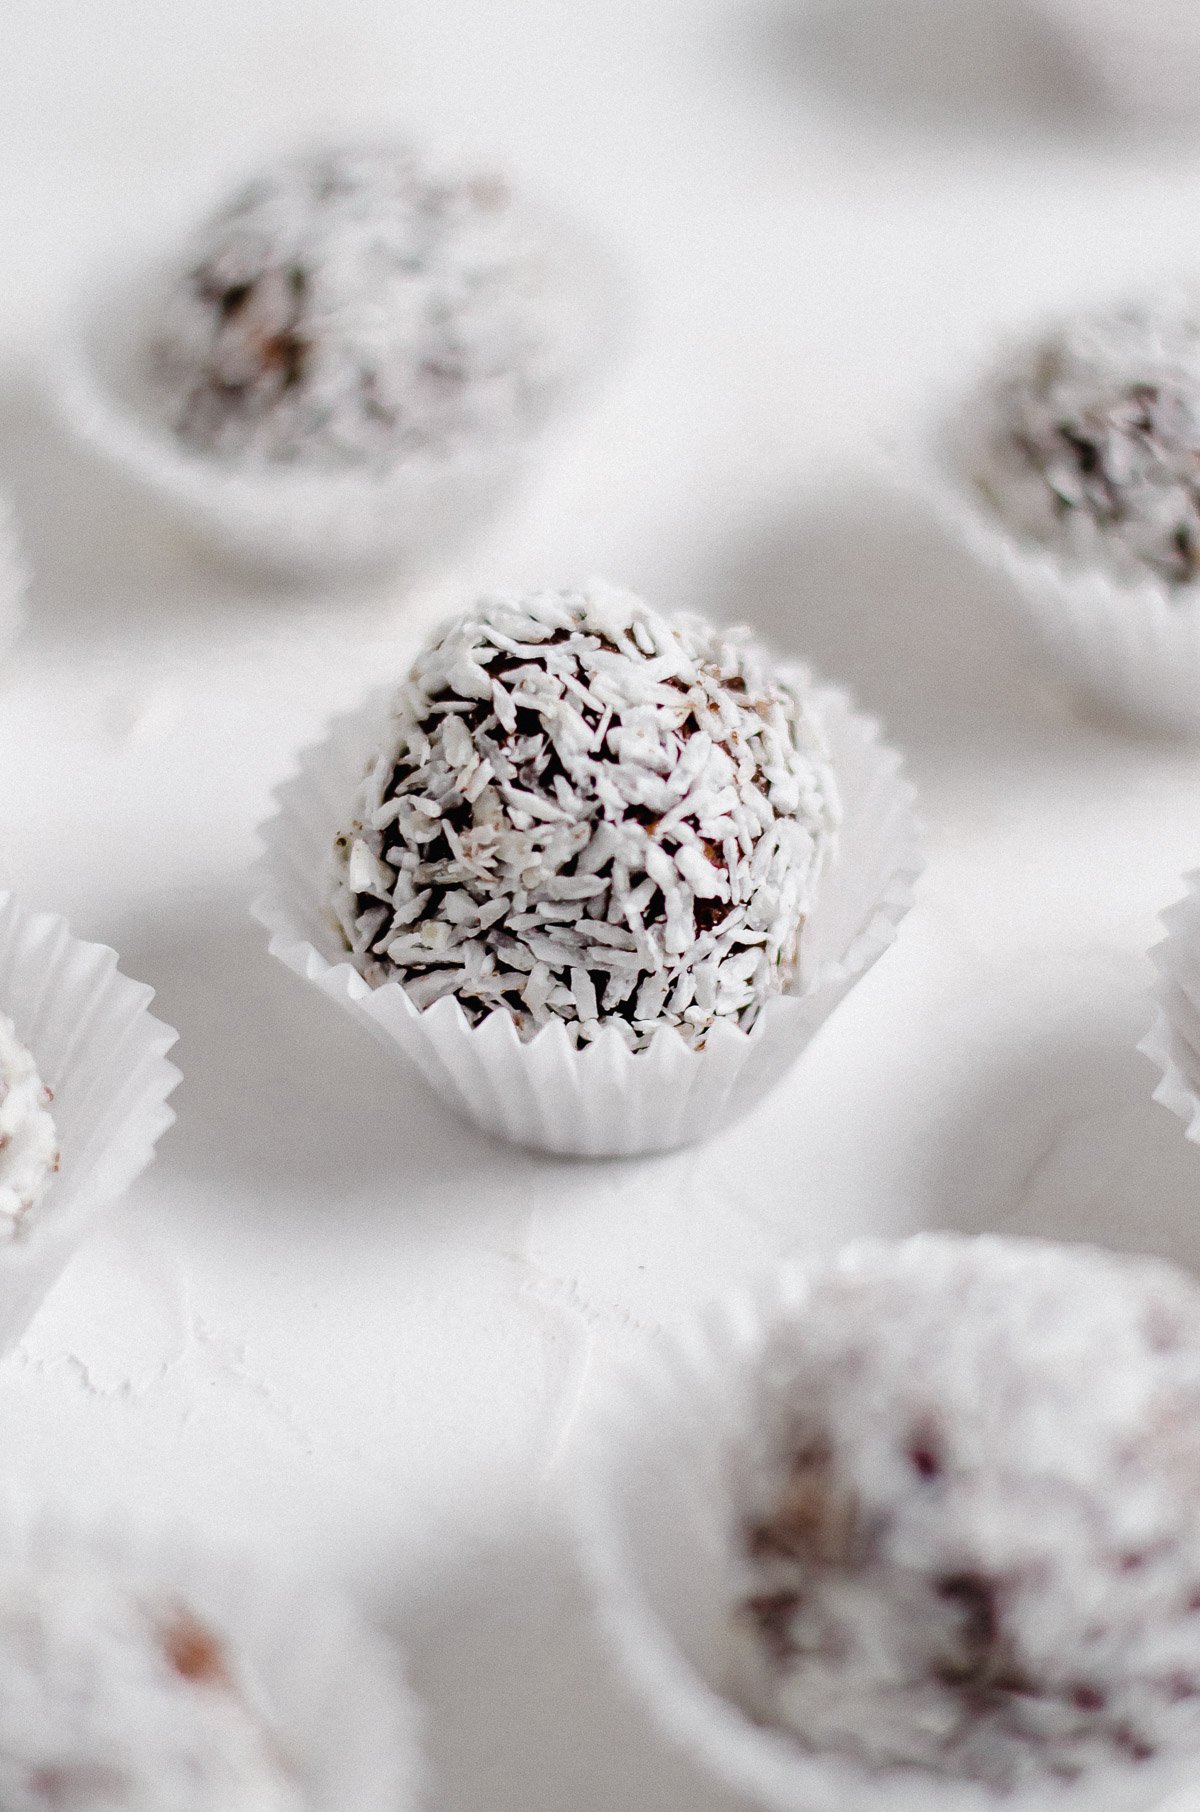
(602, 1101)
(659, 1536)
(330, 1691)
(12, 578)
(1174, 1041)
(1143, 55)
(98, 1048)
(308, 526)
(1123, 651)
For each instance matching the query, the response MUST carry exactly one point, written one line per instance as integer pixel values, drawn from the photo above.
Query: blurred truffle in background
(1089, 440)
(137, 1678)
(996, 68)
(917, 1528)
(346, 364)
(1143, 56)
(1071, 470)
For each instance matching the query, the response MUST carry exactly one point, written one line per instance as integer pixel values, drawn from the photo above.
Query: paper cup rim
(255, 1601)
(762, 1764)
(145, 1123)
(297, 953)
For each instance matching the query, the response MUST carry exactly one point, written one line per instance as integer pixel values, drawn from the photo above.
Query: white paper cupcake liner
(13, 578)
(603, 1101)
(98, 1048)
(330, 1691)
(307, 527)
(1127, 652)
(1174, 1040)
(657, 1531)
(1144, 55)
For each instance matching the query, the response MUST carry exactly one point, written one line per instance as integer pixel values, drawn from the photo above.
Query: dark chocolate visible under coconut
(1089, 440)
(971, 1514)
(349, 308)
(586, 811)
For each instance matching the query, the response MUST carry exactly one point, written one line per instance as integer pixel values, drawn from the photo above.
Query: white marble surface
(331, 1319)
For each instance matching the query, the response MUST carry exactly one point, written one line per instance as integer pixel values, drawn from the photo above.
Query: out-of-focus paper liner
(331, 1692)
(603, 1101)
(13, 578)
(305, 525)
(1173, 1042)
(657, 1535)
(1129, 651)
(1144, 55)
(98, 1048)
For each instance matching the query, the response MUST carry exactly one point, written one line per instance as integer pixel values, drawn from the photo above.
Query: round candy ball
(351, 308)
(586, 811)
(970, 1514)
(1088, 440)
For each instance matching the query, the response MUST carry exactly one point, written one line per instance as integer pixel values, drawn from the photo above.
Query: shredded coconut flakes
(349, 308)
(587, 811)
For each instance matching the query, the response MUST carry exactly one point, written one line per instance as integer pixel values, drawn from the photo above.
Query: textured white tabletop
(331, 1319)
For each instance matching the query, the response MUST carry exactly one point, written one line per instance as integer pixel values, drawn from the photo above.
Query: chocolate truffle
(1089, 441)
(28, 1145)
(114, 1703)
(351, 309)
(970, 1526)
(584, 810)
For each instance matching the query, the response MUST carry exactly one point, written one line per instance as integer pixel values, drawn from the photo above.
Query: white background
(331, 1320)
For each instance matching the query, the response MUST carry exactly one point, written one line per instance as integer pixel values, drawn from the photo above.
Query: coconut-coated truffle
(351, 308)
(114, 1703)
(1089, 440)
(585, 810)
(970, 1513)
(28, 1143)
